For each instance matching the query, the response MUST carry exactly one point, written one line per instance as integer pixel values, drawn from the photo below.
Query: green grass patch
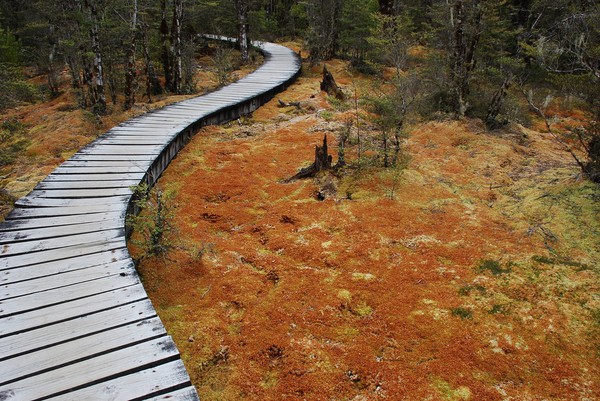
(467, 289)
(463, 313)
(494, 267)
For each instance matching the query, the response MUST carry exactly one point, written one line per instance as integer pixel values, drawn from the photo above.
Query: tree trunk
(176, 45)
(130, 68)
(52, 73)
(87, 91)
(152, 83)
(496, 103)
(241, 8)
(99, 105)
(464, 46)
(165, 46)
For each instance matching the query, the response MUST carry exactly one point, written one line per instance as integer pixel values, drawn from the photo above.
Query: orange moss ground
(275, 295)
(56, 129)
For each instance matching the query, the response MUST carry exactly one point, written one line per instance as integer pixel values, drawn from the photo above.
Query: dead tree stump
(328, 85)
(322, 161)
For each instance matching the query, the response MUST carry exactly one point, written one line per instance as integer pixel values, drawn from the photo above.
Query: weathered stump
(322, 161)
(330, 86)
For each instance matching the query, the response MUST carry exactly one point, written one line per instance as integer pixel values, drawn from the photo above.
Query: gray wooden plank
(86, 184)
(78, 327)
(185, 394)
(140, 384)
(107, 163)
(57, 211)
(58, 231)
(33, 285)
(32, 200)
(29, 247)
(16, 324)
(80, 193)
(103, 367)
(98, 170)
(42, 222)
(91, 156)
(56, 296)
(96, 177)
(85, 347)
(61, 254)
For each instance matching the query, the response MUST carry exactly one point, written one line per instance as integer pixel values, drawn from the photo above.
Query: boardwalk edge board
(69, 291)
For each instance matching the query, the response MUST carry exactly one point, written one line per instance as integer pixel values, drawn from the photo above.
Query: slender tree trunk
(241, 7)
(130, 69)
(99, 98)
(165, 46)
(464, 46)
(152, 83)
(88, 96)
(52, 73)
(176, 45)
(497, 101)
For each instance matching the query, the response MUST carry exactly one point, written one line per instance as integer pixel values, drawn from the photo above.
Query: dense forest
(477, 58)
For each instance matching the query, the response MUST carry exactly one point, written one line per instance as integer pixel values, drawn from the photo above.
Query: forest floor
(469, 274)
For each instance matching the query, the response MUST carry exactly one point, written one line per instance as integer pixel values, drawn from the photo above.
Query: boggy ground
(472, 274)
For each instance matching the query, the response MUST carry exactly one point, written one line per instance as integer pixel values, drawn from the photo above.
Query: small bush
(466, 290)
(155, 222)
(463, 313)
(493, 266)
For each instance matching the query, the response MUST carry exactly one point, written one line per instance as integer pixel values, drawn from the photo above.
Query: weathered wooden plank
(34, 201)
(85, 347)
(60, 295)
(42, 222)
(79, 327)
(16, 324)
(91, 371)
(21, 235)
(96, 177)
(99, 170)
(142, 164)
(133, 142)
(61, 254)
(29, 247)
(123, 150)
(62, 279)
(86, 184)
(56, 211)
(80, 193)
(141, 384)
(185, 394)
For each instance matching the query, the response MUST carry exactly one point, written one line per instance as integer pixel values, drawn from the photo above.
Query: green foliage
(13, 140)
(322, 34)
(461, 312)
(467, 289)
(154, 224)
(493, 266)
(13, 88)
(10, 48)
(357, 25)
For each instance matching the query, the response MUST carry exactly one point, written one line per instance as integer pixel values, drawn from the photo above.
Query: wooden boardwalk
(75, 321)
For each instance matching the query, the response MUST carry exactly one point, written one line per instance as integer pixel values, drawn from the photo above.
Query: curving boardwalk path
(75, 321)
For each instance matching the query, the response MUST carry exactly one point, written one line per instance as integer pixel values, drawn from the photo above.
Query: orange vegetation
(468, 275)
